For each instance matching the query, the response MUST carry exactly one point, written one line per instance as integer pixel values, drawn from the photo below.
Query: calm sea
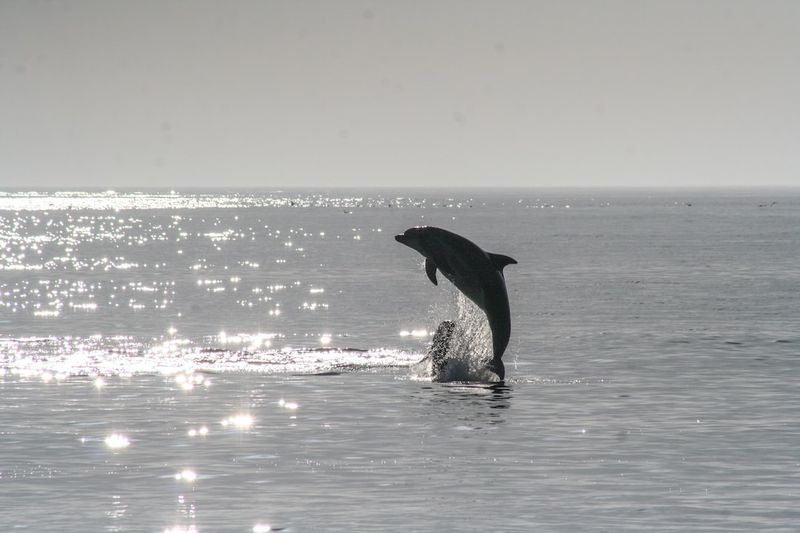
(215, 361)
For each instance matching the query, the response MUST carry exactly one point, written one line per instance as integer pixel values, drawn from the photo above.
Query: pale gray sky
(474, 93)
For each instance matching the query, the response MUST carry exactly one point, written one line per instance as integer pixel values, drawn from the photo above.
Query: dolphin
(476, 273)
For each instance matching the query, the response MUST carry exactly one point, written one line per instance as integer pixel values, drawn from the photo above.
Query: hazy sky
(442, 93)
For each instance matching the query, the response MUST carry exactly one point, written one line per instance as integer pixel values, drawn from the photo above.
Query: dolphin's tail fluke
(497, 366)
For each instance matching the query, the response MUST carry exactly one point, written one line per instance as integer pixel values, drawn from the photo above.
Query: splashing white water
(470, 346)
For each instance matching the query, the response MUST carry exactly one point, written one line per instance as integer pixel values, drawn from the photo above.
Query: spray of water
(470, 346)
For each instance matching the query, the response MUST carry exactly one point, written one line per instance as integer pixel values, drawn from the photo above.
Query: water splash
(470, 346)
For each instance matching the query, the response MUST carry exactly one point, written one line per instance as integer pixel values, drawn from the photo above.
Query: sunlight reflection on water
(54, 358)
(116, 441)
(145, 267)
(240, 421)
(650, 365)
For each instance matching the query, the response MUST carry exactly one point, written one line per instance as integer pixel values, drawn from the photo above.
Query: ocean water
(214, 361)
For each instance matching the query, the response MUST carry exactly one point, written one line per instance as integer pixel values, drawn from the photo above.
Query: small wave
(123, 356)
(304, 361)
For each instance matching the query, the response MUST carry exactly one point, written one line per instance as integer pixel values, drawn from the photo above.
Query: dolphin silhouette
(476, 273)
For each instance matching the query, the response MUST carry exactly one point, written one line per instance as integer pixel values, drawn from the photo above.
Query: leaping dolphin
(476, 273)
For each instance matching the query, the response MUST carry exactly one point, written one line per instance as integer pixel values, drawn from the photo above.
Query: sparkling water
(210, 361)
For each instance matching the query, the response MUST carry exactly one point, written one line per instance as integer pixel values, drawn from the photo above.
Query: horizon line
(176, 188)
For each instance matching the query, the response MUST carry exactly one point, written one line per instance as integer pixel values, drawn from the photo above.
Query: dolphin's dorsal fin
(501, 261)
(430, 270)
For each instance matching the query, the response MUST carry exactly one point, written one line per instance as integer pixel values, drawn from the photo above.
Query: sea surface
(249, 361)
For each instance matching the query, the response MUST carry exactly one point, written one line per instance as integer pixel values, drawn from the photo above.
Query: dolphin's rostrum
(475, 272)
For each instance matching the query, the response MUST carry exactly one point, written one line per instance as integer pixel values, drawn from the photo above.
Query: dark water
(654, 364)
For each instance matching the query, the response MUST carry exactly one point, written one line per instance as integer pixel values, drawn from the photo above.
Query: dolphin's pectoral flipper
(501, 261)
(430, 270)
